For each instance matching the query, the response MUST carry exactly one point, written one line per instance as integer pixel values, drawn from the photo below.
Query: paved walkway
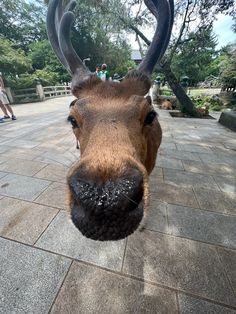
(185, 260)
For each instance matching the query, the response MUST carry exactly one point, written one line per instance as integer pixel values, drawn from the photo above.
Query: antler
(59, 22)
(163, 10)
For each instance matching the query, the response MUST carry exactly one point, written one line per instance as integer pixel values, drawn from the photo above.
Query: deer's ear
(136, 83)
(87, 83)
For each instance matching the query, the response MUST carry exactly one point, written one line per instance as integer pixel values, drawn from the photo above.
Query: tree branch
(181, 31)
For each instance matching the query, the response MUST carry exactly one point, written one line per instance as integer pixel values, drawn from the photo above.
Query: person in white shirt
(4, 102)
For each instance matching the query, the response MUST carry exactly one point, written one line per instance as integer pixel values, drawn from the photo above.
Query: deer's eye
(73, 122)
(150, 117)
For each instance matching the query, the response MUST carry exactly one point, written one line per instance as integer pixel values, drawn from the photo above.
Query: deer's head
(117, 129)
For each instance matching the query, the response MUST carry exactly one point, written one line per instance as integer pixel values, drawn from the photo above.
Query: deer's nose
(108, 210)
(120, 194)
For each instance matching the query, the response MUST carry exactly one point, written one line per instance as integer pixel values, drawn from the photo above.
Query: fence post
(39, 90)
(9, 94)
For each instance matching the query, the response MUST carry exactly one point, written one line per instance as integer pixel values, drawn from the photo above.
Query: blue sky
(223, 30)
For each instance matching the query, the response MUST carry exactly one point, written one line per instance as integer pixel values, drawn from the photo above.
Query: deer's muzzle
(110, 210)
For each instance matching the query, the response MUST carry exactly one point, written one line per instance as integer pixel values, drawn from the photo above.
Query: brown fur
(111, 129)
(166, 105)
(203, 110)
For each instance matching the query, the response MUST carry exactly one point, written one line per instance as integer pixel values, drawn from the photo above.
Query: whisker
(130, 199)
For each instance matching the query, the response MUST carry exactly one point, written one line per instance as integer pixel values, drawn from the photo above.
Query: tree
(22, 22)
(228, 69)
(197, 15)
(193, 58)
(190, 15)
(13, 60)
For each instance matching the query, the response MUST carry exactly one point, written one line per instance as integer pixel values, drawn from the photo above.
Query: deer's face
(108, 186)
(117, 129)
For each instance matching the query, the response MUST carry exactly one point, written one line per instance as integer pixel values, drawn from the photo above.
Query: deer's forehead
(116, 107)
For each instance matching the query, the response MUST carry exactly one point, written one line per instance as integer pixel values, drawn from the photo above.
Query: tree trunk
(186, 104)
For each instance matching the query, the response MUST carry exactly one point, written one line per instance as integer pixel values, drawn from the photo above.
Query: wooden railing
(39, 93)
(25, 95)
(56, 91)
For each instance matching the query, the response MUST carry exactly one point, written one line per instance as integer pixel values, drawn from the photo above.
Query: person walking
(4, 102)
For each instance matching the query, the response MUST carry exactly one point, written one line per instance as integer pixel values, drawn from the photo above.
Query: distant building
(136, 56)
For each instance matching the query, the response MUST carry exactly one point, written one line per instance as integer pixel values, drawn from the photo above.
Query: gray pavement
(183, 262)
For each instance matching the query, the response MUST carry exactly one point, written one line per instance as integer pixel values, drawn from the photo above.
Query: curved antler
(59, 22)
(163, 10)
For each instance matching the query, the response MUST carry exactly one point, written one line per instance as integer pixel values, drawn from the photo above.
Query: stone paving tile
(157, 217)
(66, 159)
(220, 159)
(187, 179)
(167, 145)
(157, 172)
(110, 293)
(4, 148)
(3, 174)
(179, 263)
(172, 153)
(23, 167)
(23, 153)
(202, 225)
(216, 201)
(2, 158)
(55, 195)
(23, 221)
(47, 160)
(192, 305)
(209, 168)
(155, 182)
(175, 195)
(227, 185)
(51, 172)
(224, 150)
(63, 238)
(30, 278)
(228, 259)
(22, 143)
(22, 187)
(230, 145)
(193, 148)
(166, 162)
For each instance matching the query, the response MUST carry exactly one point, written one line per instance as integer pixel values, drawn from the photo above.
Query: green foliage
(46, 78)
(23, 81)
(22, 21)
(228, 68)
(25, 50)
(13, 59)
(43, 57)
(194, 56)
(214, 104)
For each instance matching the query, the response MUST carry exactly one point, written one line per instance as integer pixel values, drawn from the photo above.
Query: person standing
(98, 69)
(4, 102)
(104, 74)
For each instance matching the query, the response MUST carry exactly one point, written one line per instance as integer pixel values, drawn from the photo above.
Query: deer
(117, 129)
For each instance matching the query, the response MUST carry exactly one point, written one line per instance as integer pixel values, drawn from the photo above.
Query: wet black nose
(107, 210)
(122, 194)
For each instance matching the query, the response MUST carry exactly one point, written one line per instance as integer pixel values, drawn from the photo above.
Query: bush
(29, 80)
(213, 102)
